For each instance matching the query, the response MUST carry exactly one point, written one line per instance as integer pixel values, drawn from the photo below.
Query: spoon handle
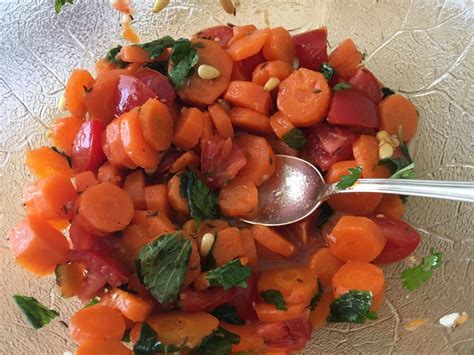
(449, 190)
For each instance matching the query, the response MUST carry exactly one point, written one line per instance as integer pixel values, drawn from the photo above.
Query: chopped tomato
(366, 82)
(244, 68)
(221, 34)
(131, 92)
(311, 48)
(245, 298)
(158, 83)
(87, 153)
(207, 300)
(80, 237)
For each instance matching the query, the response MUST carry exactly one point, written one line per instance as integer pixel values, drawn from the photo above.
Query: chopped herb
(325, 212)
(112, 56)
(161, 67)
(64, 155)
(92, 302)
(126, 336)
(352, 307)
(414, 277)
(37, 314)
(274, 297)
(148, 343)
(228, 314)
(387, 92)
(315, 300)
(163, 265)
(157, 47)
(400, 168)
(341, 86)
(295, 138)
(58, 4)
(229, 275)
(327, 71)
(218, 343)
(183, 58)
(348, 180)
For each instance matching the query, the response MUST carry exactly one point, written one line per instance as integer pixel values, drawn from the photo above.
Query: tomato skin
(207, 300)
(245, 67)
(311, 48)
(80, 237)
(131, 92)
(158, 83)
(245, 298)
(366, 82)
(353, 108)
(221, 34)
(402, 239)
(87, 153)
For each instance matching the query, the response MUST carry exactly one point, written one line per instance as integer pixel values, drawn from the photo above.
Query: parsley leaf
(157, 47)
(348, 180)
(229, 275)
(387, 92)
(58, 4)
(183, 58)
(327, 70)
(274, 297)
(414, 277)
(92, 302)
(37, 314)
(315, 300)
(112, 56)
(163, 264)
(295, 138)
(218, 343)
(228, 314)
(352, 307)
(148, 343)
(341, 86)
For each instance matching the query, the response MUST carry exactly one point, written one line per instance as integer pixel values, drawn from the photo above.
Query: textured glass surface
(422, 48)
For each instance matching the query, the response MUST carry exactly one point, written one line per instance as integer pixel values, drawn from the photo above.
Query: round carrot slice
(131, 306)
(135, 186)
(221, 120)
(391, 206)
(238, 199)
(356, 275)
(157, 124)
(177, 202)
(274, 69)
(279, 46)
(396, 111)
(325, 264)
(304, 97)
(113, 148)
(366, 155)
(64, 131)
(44, 162)
(103, 347)
(188, 129)
(77, 85)
(250, 120)
(248, 45)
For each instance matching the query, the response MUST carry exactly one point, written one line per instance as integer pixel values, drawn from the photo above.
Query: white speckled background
(423, 48)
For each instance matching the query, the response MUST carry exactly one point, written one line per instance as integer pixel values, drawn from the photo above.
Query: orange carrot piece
(188, 129)
(345, 59)
(106, 207)
(238, 199)
(156, 123)
(207, 127)
(85, 180)
(44, 161)
(249, 339)
(156, 198)
(59, 224)
(377, 300)
(131, 306)
(69, 278)
(110, 173)
(63, 132)
(134, 184)
(240, 32)
(249, 95)
(250, 120)
(97, 322)
(304, 97)
(279, 46)
(280, 124)
(103, 347)
(391, 206)
(272, 240)
(113, 147)
(221, 120)
(177, 202)
(37, 246)
(396, 110)
(356, 275)
(201, 282)
(187, 160)
(248, 243)
(134, 54)
(366, 155)
(227, 246)
(319, 315)
(269, 313)
(133, 239)
(154, 222)
(194, 264)
(325, 264)
(248, 45)
(77, 85)
(274, 69)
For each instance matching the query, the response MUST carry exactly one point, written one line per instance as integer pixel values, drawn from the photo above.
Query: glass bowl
(423, 49)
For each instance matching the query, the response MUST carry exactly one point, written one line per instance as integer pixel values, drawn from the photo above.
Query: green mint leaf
(414, 277)
(352, 307)
(350, 179)
(341, 86)
(327, 70)
(229, 275)
(218, 343)
(92, 302)
(324, 213)
(316, 298)
(58, 4)
(387, 92)
(274, 297)
(157, 47)
(295, 138)
(163, 265)
(161, 67)
(148, 343)
(112, 56)
(228, 314)
(183, 58)
(37, 314)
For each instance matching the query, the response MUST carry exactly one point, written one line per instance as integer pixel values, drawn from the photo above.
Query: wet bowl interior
(422, 49)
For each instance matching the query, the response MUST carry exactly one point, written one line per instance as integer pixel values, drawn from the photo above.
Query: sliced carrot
(207, 127)
(366, 155)
(304, 97)
(156, 199)
(269, 313)
(85, 180)
(319, 315)
(137, 149)
(204, 91)
(248, 243)
(97, 322)
(103, 65)
(194, 264)
(240, 32)
(249, 339)
(134, 54)
(133, 239)
(187, 160)
(250, 120)
(273, 69)
(357, 203)
(106, 207)
(325, 264)
(77, 85)
(177, 202)
(103, 347)
(59, 224)
(279, 46)
(156, 123)
(238, 199)
(134, 184)
(248, 45)
(377, 300)
(110, 173)
(227, 246)
(391, 206)
(272, 240)
(280, 124)
(188, 129)
(221, 120)
(63, 132)
(44, 161)
(201, 282)
(396, 110)
(113, 147)
(356, 275)
(37, 246)
(154, 222)
(131, 306)
(249, 95)
(356, 239)
(345, 59)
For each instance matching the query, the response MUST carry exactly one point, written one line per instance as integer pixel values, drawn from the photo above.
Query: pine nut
(207, 242)
(395, 141)
(383, 136)
(228, 6)
(272, 83)
(160, 5)
(385, 151)
(208, 72)
(62, 103)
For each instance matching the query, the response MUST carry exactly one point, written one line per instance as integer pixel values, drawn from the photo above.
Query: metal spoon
(297, 189)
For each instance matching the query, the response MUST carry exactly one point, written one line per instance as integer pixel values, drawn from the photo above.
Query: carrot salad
(135, 207)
